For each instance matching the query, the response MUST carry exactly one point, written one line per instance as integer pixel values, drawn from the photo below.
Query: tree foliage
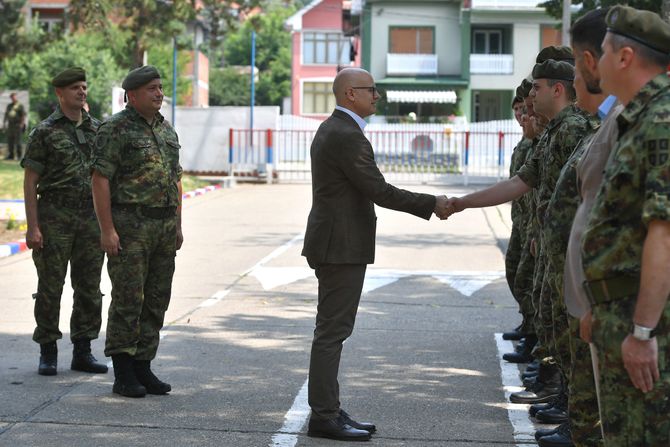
(227, 87)
(273, 54)
(555, 7)
(33, 71)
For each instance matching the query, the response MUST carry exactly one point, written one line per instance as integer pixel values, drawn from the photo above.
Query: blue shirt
(360, 121)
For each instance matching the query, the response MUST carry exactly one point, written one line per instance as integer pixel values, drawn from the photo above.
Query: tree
(33, 71)
(554, 7)
(10, 24)
(227, 87)
(273, 55)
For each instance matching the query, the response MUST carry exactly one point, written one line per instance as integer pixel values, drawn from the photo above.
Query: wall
(443, 17)
(203, 133)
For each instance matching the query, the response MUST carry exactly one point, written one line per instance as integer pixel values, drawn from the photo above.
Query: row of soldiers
(93, 188)
(589, 252)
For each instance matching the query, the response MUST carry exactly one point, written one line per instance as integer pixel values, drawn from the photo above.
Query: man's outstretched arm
(501, 192)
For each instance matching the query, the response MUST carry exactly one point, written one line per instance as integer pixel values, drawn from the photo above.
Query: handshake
(445, 207)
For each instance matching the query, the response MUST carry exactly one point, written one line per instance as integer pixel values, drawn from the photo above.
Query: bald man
(340, 240)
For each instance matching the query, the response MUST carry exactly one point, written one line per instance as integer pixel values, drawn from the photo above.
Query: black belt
(150, 212)
(605, 290)
(68, 201)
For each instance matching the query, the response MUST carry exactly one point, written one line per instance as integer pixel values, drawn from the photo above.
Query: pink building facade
(319, 47)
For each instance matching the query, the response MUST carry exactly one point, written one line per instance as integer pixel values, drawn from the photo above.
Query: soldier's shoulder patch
(657, 151)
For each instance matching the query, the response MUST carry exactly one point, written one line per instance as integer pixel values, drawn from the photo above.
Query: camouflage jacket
(564, 202)
(519, 156)
(555, 146)
(635, 188)
(60, 152)
(14, 113)
(140, 160)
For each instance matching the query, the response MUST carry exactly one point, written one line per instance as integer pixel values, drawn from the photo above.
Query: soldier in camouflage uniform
(137, 193)
(14, 122)
(626, 241)
(62, 227)
(513, 253)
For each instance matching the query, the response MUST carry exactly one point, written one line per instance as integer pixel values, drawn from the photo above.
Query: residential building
(435, 58)
(323, 38)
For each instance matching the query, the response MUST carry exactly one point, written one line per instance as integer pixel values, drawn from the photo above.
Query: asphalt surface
(422, 363)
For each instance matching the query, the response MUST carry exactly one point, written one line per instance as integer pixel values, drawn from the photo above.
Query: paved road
(422, 363)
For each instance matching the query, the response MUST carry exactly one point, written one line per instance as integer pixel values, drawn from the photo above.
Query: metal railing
(491, 64)
(415, 156)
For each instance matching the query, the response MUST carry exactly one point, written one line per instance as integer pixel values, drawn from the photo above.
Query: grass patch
(11, 180)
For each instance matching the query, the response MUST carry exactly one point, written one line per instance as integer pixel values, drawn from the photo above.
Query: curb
(19, 246)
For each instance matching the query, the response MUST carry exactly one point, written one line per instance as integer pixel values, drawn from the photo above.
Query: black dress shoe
(542, 432)
(561, 438)
(368, 427)
(336, 429)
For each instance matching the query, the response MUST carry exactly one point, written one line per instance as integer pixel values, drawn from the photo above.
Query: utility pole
(565, 28)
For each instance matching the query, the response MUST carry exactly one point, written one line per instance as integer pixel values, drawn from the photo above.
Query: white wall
(443, 17)
(203, 133)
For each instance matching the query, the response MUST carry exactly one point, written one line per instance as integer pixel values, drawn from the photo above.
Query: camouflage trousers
(512, 257)
(141, 283)
(630, 418)
(523, 287)
(582, 397)
(14, 141)
(554, 314)
(540, 319)
(70, 236)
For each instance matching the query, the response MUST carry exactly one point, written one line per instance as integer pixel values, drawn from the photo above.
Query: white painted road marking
(524, 429)
(294, 421)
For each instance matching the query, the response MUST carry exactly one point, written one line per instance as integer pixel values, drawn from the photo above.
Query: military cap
(557, 53)
(645, 27)
(69, 76)
(551, 69)
(523, 90)
(140, 76)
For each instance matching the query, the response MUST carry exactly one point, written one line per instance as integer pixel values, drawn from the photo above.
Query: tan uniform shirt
(589, 177)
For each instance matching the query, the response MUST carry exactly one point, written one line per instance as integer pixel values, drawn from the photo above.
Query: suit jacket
(346, 183)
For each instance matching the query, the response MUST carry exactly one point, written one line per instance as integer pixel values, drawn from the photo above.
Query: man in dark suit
(340, 240)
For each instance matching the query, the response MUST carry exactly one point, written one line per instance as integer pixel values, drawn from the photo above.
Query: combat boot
(562, 438)
(147, 378)
(533, 409)
(125, 381)
(514, 334)
(48, 359)
(83, 360)
(557, 414)
(546, 387)
(522, 353)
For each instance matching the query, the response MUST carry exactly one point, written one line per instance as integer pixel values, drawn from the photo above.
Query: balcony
(411, 64)
(491, 64)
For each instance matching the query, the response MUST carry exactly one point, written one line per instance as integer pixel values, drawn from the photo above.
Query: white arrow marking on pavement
(466, 282)
(524, 430)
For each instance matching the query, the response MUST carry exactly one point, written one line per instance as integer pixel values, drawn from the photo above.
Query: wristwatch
(643, 333)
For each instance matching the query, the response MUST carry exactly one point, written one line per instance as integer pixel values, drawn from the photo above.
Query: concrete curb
(19, 246)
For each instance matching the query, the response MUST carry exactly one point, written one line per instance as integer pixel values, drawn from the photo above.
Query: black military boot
(562, 438)
(523, 352)
(125, 381)
(147, 378)
(546, 387)
(83, 360)
(48, 359)
(514, 334)
(557, 414)
(542, 432)
(533, 409)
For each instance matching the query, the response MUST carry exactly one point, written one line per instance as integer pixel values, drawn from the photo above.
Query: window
(325, 48)
(487, 41)
(317, 97)
(412, 40)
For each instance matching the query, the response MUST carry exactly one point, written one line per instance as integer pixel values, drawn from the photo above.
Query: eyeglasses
(374, 90)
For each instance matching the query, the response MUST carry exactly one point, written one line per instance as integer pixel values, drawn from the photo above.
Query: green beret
(523, 90)
(557, 53)
(645, 27)
(140, 76)
(551, 69)
(69, 76)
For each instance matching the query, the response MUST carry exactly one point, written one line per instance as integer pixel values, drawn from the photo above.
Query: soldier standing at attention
(61, 225)
(626, 240)
(14, 121)
(137, 194)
